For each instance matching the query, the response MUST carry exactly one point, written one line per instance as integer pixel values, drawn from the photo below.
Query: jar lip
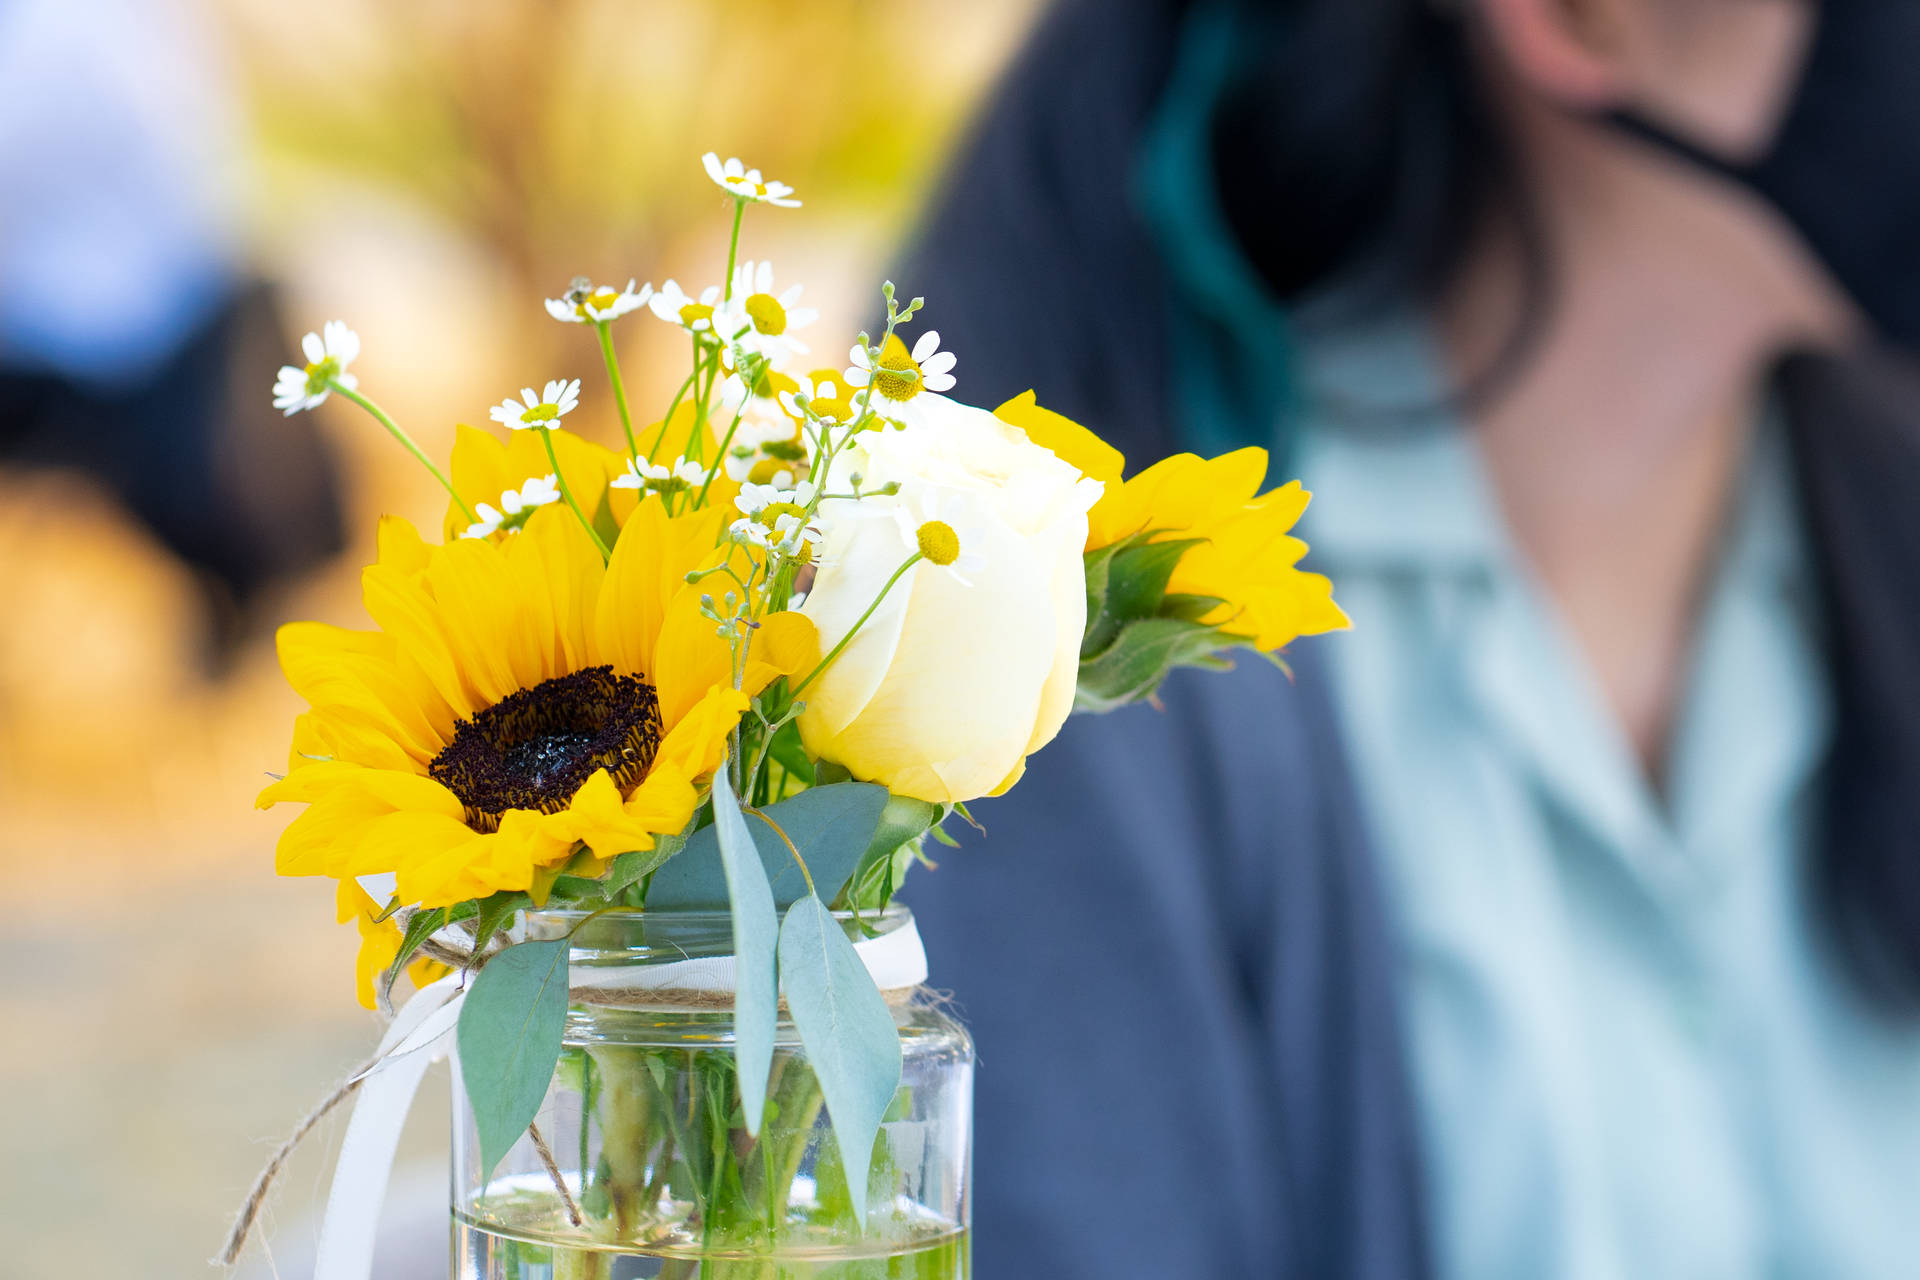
(627, 936)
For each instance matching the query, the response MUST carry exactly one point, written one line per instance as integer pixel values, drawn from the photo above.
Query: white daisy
(794, 538)
(587, 303)
(738, 180)
(761, 322)
(900, 375)
(328, 353)
(516, 505)
(755, 498)
(749, 533)
(555, 401)
(682, 473)
(490, 519)
(826, 398)
(671, 303)
(939, 532)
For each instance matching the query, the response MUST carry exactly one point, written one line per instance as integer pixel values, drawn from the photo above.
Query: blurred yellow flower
(521, 699)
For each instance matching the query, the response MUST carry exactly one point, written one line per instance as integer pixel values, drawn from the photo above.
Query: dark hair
(1042, 271)
(1357, 140)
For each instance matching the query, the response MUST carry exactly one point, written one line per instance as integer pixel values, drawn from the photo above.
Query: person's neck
(1615, 448)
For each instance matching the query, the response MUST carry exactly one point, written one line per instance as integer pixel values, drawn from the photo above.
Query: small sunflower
(1246, 558)
(520, 702)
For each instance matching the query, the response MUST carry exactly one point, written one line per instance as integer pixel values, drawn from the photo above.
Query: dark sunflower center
(534, 748)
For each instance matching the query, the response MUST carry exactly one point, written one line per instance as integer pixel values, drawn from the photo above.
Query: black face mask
(1845, 166)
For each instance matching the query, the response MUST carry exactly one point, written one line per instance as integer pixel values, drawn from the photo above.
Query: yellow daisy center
(768, 316)
(534, 748)
(766, 469)
(938, 542)
(772, 512)
(694, 312)
(897, 376)
(542, 413)
(600, 300)
(320, 372)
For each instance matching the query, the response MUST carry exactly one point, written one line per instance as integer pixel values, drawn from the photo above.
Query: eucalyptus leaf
(831, 826)
(848, 1033)
(755, 927)
(509, 1037)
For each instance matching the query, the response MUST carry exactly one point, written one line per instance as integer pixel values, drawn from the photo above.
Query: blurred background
(186, 186)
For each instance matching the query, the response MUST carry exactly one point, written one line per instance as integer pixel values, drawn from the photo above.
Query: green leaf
(755, 990)
(1133, 666)
(509, 1037)
(848, 1033)
(904, 818)
(832, 828)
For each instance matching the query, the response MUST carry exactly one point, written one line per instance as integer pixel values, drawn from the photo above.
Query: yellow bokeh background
(427, 170)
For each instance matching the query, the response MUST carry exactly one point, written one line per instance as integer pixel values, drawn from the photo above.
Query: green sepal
(495, 913)
(1141, 656)
(902, 822)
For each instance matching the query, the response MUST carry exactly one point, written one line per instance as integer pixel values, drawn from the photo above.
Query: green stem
(619, 388)
(546, 438)
(733, 247)
(393, 429)
(719, 459)
(827, 661)
(660, 436)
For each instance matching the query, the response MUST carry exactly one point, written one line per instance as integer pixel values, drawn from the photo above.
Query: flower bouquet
(641, 749)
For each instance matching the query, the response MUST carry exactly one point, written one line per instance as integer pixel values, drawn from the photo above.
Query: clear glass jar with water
(639, 1163)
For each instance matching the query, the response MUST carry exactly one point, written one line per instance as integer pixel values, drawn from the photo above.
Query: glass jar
(639, 1163)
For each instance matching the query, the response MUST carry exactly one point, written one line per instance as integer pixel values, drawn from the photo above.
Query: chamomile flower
(941, 538)
(553, 402)
(794, 538)
(587, 303)
(825, 395)
(758, 321)
(328, 353)
(737, 180)
(782, 490)
(900, 375)
(516, 505)
(682, 473)
(673, 304)
(750, 533)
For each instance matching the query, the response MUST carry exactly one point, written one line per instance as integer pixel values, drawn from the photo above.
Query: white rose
(966, 669)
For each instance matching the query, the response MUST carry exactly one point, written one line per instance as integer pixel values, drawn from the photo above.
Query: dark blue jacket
(1171, 953)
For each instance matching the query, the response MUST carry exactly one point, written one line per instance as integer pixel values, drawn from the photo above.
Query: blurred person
(1563, 918)
(131, 338)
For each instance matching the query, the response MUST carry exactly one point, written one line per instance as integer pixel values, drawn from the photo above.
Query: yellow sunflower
(483, 467)
(519, 701)
(1246, 558)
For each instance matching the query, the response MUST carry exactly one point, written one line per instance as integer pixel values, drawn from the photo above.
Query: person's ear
(1567, 50)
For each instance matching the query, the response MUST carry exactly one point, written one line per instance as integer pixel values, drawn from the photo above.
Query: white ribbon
(422, 1034)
